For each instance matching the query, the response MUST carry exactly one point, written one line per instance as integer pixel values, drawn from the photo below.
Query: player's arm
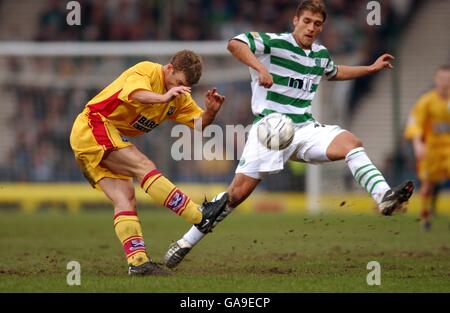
(147, 97)
(415, 130)
(192, 115)
(345, 72)
(241, 51)
(213, 103)
(418, 147)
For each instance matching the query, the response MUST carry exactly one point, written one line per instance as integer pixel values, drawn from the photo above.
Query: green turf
(247, 253)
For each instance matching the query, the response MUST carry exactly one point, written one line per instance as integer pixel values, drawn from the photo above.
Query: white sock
(193, 235)
(366, 174)
(191, 238)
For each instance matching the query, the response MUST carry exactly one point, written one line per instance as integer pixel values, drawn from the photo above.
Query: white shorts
(311, 141)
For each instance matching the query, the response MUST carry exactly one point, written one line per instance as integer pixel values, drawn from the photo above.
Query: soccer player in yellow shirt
(136, 102)
(429, 130)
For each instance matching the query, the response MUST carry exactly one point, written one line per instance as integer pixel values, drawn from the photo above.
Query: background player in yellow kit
(136, 102)
(429, 130)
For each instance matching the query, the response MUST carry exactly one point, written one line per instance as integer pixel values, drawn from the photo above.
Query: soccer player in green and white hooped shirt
(286, 70)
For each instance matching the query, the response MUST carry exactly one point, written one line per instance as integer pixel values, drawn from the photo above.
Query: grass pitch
(246, 253)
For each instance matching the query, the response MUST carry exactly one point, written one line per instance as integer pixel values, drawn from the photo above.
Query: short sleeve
(135, 81)
(417, 120)
(259, 43)
(188, 111)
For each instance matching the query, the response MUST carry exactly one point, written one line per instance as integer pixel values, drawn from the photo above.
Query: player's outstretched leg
(240, 189)
(394, 198)
(213, 212)
(370, 178)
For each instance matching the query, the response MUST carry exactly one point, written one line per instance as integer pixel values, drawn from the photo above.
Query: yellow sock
(164, 192)
(128, 229)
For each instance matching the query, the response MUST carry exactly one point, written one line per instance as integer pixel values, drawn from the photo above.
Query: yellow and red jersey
(132, 118)
(111, 115)
(430, 120)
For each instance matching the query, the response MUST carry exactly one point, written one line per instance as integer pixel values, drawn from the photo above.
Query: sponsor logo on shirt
(144, 124)
(171, 110)
(441, 128)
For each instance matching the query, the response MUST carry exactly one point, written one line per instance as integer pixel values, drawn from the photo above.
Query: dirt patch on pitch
(270, 271)
(274, 256)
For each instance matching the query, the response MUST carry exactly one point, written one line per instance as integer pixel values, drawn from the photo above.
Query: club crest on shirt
(317, 62)
(144, 124)
(171, 110)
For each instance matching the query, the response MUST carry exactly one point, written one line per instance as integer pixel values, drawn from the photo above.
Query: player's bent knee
(354, 142)
(143, 166)
(357, 143)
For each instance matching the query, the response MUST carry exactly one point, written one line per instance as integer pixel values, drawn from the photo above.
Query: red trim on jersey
(107, 106)
(99, 131)
(148, 175)
(134, 213)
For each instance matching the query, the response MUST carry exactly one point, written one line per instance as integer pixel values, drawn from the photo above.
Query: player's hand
(213, 100)
(382, 62)
(265, 79)
(175, 92)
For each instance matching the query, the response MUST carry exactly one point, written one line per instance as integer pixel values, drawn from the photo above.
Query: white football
(276, 131)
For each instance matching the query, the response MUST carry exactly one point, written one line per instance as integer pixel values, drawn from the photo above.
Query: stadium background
(42, 94)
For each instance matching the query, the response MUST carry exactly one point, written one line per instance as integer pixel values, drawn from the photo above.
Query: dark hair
(443, 67)
(189, 63)
(315, 6)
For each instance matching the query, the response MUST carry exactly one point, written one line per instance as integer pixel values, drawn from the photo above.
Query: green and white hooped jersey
(296, 74)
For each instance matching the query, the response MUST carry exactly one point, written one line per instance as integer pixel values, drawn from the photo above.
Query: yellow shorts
(435, 167)
(92, 135)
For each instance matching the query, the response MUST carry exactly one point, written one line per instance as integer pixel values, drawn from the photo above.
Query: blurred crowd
(42, 152)
(346, 31)
(126, 20)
